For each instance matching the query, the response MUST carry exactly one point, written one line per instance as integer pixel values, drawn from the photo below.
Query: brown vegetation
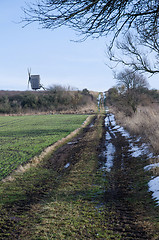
(144, 122)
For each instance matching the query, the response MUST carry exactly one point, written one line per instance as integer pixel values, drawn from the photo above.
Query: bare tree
(131, 80)
(95, 17)
(140, 52)
(132, 85)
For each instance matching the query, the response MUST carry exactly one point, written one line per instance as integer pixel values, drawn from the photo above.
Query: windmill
(34, 81)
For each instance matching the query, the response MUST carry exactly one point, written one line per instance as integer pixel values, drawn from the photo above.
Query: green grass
(43, 203)
(23, 137)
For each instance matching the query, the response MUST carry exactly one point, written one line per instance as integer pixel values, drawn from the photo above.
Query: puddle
(71, 143)
(108, 153)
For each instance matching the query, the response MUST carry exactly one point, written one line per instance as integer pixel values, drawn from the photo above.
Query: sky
(55, 55)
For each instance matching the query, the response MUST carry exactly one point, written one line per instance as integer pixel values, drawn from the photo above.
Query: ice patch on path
(116, 127)
(112, 132)
(71, 143)
(154, 188)
(108, 137)
(138, 139)
(120, 129)
(149, 167)
(123, 132)
(112, 120)
(106, 109)
(67, 165)
(106, 121)
(138, 151)
(110, 157)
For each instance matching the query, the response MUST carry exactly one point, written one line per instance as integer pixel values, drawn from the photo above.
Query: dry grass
(88, 108)
(144, 122)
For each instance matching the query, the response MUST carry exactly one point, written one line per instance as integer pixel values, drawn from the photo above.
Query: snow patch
(149, 167)
(154, 188)
(123, 132)
(108, 137)
(113, 134)
(106, 121)
(110, 156)
(67, 165)
(92, 125)
(99, 99)
(138, 151)
(112, 120)
(135, 151)
(71, 143)
(116, 127)
(138, 139)
(106, 109)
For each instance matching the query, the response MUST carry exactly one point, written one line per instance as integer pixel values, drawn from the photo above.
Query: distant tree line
(56, 98)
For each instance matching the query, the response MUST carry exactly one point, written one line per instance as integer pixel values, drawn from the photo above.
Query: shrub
(57, 98)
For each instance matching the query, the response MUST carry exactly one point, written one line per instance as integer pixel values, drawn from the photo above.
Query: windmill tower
(34, 81)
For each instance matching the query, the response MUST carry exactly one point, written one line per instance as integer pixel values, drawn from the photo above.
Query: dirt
(68, 153)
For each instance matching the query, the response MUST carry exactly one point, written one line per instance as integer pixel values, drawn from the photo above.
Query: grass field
(22, 137)
(46, 203)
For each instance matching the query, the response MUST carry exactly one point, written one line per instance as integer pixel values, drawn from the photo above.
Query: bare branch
(94, 17)
(136, 52)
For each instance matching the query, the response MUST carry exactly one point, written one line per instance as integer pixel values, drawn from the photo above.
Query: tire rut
(124, 219)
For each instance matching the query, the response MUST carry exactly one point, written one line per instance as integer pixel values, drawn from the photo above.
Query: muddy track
(121, 171)
(66, 156)
(125, 219)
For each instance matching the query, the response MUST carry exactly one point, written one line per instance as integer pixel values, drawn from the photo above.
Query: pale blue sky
(50, 54)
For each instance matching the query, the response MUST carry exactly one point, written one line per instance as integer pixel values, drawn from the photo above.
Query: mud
(66, 156)
(125, 173)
